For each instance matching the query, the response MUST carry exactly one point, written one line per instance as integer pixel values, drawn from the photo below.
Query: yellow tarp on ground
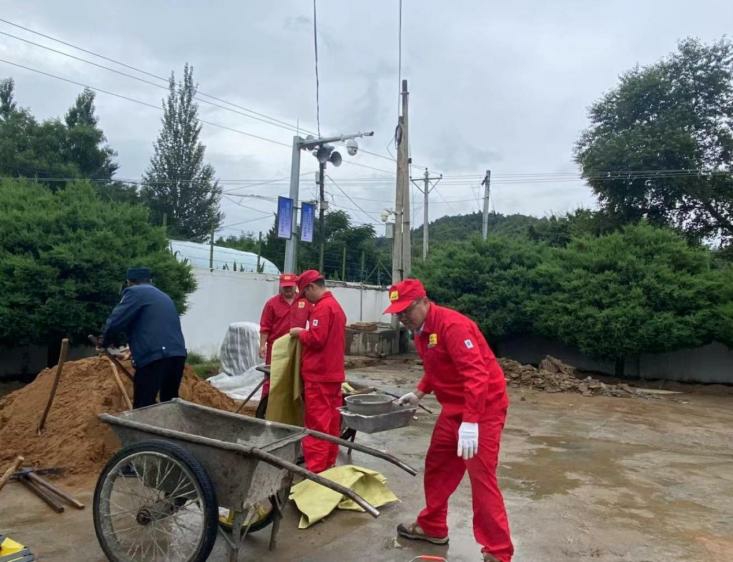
(315, 501)
(285, 402)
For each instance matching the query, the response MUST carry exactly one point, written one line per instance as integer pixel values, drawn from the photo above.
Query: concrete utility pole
(321, 209)
(402, 246)
(426, 191)
(487, 190)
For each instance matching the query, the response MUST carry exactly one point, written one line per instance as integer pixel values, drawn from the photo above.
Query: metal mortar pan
(399, 416)
(369, 404)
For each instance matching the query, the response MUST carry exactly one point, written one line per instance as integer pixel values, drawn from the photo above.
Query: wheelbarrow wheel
(154, 500)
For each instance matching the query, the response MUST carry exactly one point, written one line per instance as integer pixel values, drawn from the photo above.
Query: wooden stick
(62, 359)
(94, 341)
(50, 500)
(59, 492)
(119, 382)
(10, 471)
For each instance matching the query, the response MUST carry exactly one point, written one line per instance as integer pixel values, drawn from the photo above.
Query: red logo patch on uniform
(432, 340)
(468, 344)
(301, 304)
(315, 323)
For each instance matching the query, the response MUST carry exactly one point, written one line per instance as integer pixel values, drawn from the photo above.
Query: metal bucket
(369, 404)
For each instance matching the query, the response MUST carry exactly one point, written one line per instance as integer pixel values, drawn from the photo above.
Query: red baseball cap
(403, 294)
(288, 280)
(307, 277)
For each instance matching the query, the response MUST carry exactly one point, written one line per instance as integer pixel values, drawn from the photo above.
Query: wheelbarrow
(159, 496)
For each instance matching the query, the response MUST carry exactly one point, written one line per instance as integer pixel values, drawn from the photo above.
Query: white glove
(409, 398)
(467, 440)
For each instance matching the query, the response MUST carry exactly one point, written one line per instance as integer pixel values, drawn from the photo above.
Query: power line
(140, 102)
(245, 111)
(315, 48)
(371, 217)
(136, 69)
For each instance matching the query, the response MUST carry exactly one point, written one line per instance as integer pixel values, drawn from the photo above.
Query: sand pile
(553, 375)
(74, 438)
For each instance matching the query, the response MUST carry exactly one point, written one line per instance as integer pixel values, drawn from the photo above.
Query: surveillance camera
(384, 215)
(352, 147)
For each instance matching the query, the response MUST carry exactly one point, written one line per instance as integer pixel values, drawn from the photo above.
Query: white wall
(223, 297)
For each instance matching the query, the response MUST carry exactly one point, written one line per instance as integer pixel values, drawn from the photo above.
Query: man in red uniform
(322, 368)
(462, 371)
(281, 312)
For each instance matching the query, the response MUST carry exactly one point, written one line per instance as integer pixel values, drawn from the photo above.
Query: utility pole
(487, 190)
(321, 209)
(426, 191)
(211, 251)
(401, 246)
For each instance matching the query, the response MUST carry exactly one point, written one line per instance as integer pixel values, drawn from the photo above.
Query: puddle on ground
(557, 465)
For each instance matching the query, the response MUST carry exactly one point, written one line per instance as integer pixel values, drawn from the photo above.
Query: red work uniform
(322, 371)
(278, 316)
(462, 371)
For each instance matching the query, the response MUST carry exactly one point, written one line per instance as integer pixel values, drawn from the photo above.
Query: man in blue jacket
(150, 320)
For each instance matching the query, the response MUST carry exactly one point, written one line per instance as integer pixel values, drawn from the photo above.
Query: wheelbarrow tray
(221, 441)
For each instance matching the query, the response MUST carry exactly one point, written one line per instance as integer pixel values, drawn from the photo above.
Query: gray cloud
(505, 86)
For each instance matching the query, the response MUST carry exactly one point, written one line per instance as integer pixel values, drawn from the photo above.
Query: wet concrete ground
(584, 479)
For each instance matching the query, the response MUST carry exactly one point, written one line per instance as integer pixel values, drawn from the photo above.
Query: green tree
(52, 150)
(63, 257)
(7, 98)
(673, 117)
(179, 187)
(85, 140)
(643, 289)
(490, 281)
(245, 242)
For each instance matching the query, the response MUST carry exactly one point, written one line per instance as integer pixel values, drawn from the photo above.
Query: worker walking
(280, 313)
(322, 369)
(462, 371)
(150, 320)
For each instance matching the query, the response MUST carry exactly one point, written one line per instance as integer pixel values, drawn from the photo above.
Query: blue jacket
(150, 319)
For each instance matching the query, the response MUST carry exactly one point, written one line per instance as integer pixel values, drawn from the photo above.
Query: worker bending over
(469, 384)
(150, 320)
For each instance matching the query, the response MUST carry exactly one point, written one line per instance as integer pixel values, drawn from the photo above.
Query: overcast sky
(504, 86)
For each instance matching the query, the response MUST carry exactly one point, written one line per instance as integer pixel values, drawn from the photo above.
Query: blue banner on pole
(284, 217)
(307, 221)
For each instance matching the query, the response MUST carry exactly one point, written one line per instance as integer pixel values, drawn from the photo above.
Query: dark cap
(138, 273)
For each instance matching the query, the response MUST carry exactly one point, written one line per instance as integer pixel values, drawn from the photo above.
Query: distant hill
(462, 227)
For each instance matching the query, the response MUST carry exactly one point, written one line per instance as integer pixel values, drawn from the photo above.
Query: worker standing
(280, 313)
(150, 320)
(322, 369)
(469, 384)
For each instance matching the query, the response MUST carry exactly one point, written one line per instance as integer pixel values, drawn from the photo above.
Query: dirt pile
(74, 438)
(555, 376)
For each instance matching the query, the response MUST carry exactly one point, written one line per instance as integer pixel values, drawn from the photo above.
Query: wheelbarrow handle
(295, 469)
(363, 448)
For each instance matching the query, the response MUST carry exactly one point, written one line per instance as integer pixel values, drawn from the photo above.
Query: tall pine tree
(85, 141)
(178, 186)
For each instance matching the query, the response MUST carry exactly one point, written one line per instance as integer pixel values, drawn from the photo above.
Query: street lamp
(324, 152)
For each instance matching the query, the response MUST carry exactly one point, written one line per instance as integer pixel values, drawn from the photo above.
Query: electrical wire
(315, 48)
(139, 102)
(359, 207)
